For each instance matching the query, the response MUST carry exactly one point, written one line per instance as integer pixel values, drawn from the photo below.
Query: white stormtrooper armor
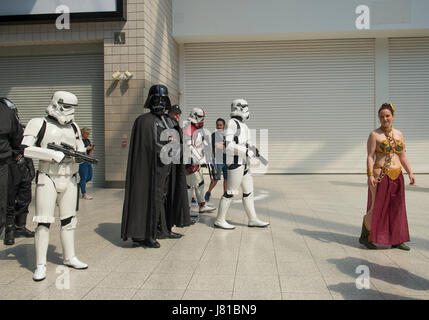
(237, 136)
(195, 140)
(56, 181)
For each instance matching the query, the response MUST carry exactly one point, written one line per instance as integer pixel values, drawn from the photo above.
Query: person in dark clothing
(21, 175)
(10, 139)
(219, 157)
(85, 168)
(150, 204)
(182, 216)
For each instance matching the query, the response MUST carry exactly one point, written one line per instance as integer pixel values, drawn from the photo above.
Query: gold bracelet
(370, 173)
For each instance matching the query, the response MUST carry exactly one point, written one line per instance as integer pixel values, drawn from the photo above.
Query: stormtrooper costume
(56, 180)
(237, 136)
(197, 147)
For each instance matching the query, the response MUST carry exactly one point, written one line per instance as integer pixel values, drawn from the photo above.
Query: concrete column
(182, 77)
(381, 74)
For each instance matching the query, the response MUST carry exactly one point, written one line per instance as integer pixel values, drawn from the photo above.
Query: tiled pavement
(310, 251)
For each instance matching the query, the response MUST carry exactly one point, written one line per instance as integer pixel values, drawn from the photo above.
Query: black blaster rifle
(257, 154)
(70, 152)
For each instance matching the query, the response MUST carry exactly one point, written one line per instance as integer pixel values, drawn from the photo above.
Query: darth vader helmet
(158, 100)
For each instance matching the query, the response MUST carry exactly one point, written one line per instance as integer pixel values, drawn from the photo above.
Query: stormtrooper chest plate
(198, 140)
(243, 134)
(58, 134)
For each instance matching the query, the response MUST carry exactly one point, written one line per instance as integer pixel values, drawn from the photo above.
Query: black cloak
(179, 207)
(140, 216)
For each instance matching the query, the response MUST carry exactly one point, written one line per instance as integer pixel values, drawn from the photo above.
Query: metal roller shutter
(409, 92)
(315, 97)
(30, 81)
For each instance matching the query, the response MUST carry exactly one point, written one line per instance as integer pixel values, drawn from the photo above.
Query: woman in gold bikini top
(386, 150)
(386, 157)
(389, 148)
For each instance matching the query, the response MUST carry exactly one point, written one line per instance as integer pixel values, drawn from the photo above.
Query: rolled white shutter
(316, 98)
(30, 81)
(409, 92)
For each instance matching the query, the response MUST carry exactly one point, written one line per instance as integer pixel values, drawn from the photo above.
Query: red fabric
(389, 224)
(190, 130)
(192, 169)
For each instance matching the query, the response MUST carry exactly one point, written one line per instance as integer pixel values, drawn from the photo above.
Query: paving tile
(251, 283)
(110, 294)
(207, 295)
(86, 278)
(158, 294)
(211, 282)
(266, 268)
(124, 280)
(257, 295)
(310, 251)
(8, 276)
(53, 293)
(306, 296)
(303, 284)
(293, 268)
(167, 281)
(173, 266)
(137, 265)
(225, 267)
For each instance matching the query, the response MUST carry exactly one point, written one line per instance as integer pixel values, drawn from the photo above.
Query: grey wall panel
(409, 92)
(316, 98)
(30, 82)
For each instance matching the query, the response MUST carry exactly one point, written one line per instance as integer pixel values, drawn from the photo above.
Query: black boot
(364, 238)
(23, 232)
(174, 235)
(151, 243)
(9, 234)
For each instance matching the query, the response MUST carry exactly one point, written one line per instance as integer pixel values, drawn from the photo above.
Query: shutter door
(30, 81)
(316, 98)
(409, 92)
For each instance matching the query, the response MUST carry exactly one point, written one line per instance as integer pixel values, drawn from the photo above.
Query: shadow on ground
(25, 255)
(112, 233)
(350, 292)
(333, 225)
(389, 274)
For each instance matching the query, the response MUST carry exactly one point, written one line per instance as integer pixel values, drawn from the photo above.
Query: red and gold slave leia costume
(389, 224)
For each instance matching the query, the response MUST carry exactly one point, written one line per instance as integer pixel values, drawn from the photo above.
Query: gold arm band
(370, 173)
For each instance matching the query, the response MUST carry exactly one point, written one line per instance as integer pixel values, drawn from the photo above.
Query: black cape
(139, 210)
(178, 204)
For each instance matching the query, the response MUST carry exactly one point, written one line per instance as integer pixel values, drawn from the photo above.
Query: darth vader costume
(153, 196)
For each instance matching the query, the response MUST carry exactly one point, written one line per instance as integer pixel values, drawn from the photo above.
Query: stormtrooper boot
(249, 207)
(41, 241)
(204, 207)
(220, 222)
(67, 241)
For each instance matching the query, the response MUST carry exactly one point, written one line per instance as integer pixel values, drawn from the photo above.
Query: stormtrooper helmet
(158, 100)
(240, 108)
(197, 117)
(62, 107)
(10, 105)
